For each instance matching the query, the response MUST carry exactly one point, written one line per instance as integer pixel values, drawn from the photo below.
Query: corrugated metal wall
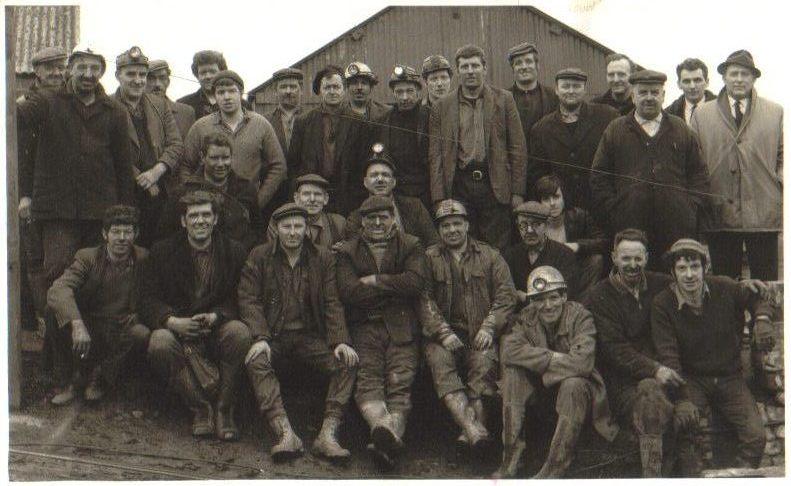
(39, 27)
(407, 35)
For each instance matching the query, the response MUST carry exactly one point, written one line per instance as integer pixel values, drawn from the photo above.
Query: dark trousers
(490, 221)
(726, 254)
(33, 279)
(61, 238)
(150, 208)
(479, 369)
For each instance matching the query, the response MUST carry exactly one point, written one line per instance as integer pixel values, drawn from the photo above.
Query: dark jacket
(671, 158)
(549, 103)
(83, 161)
(260, 290)
(623, 107)
(201, 105)
(275, 117)
(169, 277)
(679, 104)
(551, 141)
(183, 114)
(405, 136)
(240, 218)
(399, 284)
(583, 230)
(554, 254)
(414, 218)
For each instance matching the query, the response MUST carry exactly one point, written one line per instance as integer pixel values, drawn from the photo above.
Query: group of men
(359, 238)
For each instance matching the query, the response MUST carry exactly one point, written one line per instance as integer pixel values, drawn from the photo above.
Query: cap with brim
(288, 73)
(289, 209)
(647, 76)
(520, 49)
(533, 209)
(158, 65)
(450, 207)
(314, 179)
(435, 62)
(379, 156)
(740, 58)
(48, 54)
(575, 74)
(360, 70)
(86, 51)
(228, 74)
(404, 74)
(687, 244)
(376, 203)
(132, 57)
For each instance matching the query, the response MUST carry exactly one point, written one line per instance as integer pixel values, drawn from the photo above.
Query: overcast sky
(258, 38)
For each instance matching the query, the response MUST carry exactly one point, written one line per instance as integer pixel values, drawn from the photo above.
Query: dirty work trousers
(479, 369)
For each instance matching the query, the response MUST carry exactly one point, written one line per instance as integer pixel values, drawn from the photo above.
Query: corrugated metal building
(39, 27)
(407, 35)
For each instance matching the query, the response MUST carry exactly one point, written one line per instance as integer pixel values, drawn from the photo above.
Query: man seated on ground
(697, 325)
(381, 275)
(549, 356)
(289, 298)
(189, 298)
(411, 216)
(575, 228)
(324, 229)
(463, 314)
(96, 299)
(240, 218)
(536, 250)
(636, 381)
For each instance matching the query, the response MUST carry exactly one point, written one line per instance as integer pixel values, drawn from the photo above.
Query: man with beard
(410, 215)
(436, 72)
(564, 142)
(289, 298)
(189, 299)
(257, 158)
(359, 81)
(648, 170)
(619, 94)
(548, 357)
(156, 143)
(536, 250)
(404, 132)
(463, 314)
(697, 326)
(637, 382)
(477, 150)
(693, 79)
(157, 83)
(96, 300)
(323, 229)
(327, 141)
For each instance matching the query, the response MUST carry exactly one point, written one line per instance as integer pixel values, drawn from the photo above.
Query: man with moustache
(648, 171)
(568, 136)
(693, 79)
(157, 83)
(381, 276)
(189, 300)
(94, 304)
(156, 143)
(437, 73)
(619, 93)
(463, 315)
(477, 150)
(548, 360)
(359, 81)
(289, 298)
(697, 325)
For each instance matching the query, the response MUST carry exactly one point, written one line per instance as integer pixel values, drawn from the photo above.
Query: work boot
(383, 461)
(561, 450)
(399, 425)
(66, 396)
(463, 414)
(512, 457)
(480, 415)
(383, 433)
(203, 415)
(326, 444)
(226, 401)
(651, 455)
(289, 445)
(94, 392)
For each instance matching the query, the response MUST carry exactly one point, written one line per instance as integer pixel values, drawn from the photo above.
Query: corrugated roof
(44, 26)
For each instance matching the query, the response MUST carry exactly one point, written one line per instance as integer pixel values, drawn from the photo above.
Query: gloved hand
(686, 415)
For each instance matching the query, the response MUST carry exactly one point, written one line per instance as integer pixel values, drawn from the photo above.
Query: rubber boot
(513, 444)
(203, 415)
(561, 450)
(399, 424)
(326, 444)
(464, 416)
(93, 391)
(651, 455)
(289, 445)
(226, 402)
(383, 433)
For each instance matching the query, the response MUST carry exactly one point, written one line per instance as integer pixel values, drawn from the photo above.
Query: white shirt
(688, 108)
(650, 127)
(745, 105)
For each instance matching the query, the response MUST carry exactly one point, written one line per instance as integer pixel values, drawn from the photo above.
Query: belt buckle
(477, 175)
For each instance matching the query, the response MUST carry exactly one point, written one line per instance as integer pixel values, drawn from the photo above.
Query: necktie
(737, 108)
(692, 110)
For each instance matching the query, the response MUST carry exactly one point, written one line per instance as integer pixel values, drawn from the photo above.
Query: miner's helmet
(544, 279)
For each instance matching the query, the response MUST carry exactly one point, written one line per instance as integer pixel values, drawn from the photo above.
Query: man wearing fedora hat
(741, 137)
(157, 83)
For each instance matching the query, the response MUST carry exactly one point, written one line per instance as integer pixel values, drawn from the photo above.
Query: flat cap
(228, 74)
(131, 57)
(450, 207)
(572, 73)
(376, 203)
(85, 50)
(519, 49)
(157, 65)
(403, 73)
(435, 62)
(314, 179)
(379, 156)
(326, 71)
(48, 54)
(687, 244)
(288, 73)
(647, 76)
(289, 209)
(357, 69)
(740, 58)
(533, 209)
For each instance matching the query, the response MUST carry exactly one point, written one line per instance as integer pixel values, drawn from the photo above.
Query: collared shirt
(472, 146)
(204, 268)
(329, 122)
(617, 281)
(684, 300)
(745, 105)
(146, 156)
(650, 127)
(294, 290)
(688, 108)
(287, 120)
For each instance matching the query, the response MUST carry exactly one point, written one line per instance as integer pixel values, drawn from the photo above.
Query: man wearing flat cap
(463, 314)
(569, 136)
(437, 73)
(156, 144)
(477, 150)
(381, 276)
(360, 81)
(49, 67)
(329, 140)
(741, 136)
(157, 83)
(289, 298)
(257, 156)
(649, 173)
(536, 249)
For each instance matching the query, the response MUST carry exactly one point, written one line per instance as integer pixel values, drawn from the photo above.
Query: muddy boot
(561, 450)
(225, 423)
(203, 415)
(399, 424)
(94, 392)
(326, 444)
(463, 414)
(651, 455)
(383, 461)
(383, 433)
(66, 396)
(512, 457)
(288, 446)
